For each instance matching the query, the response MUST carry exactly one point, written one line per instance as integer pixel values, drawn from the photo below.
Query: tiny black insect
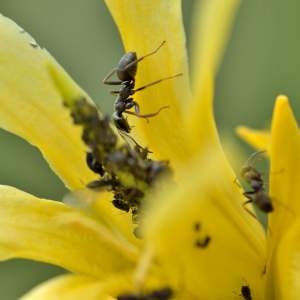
(246, 292)
(203, 243)
(126, 72)
(197, 226)
(254, 178)
(93, 164)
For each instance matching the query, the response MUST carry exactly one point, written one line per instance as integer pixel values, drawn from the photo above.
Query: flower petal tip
(282, 107)
(282, 99)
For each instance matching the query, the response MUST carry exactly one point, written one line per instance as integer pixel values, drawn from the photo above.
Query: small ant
(254, 178)
(162, 294)
(126, 72)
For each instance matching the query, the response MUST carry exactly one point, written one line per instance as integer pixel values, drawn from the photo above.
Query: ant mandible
(126, 72)
(254, 178)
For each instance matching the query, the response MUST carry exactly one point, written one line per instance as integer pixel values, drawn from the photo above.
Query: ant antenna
(146, 55)
(254, 157)
(156, 82)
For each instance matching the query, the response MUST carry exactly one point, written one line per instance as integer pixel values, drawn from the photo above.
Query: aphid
(162, 294)
(197, 226)
(93, 164)
(254, 178)
(126, 72)
(203, 243)
(200, 242)
(120, 204)
(246, 292)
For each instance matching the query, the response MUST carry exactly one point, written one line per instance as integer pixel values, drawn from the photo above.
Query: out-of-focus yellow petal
(286, 269)
(285, 169)
(143, 26)
(99, 204)
(31, 106)
(67, 287)
(213, 21)
(80, 287)
(259, 139)
(51, 232)
(207, 204)
(77, 287)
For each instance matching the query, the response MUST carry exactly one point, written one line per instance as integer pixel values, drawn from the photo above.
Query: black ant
(126, 72)
(254, 178)
(162, 294)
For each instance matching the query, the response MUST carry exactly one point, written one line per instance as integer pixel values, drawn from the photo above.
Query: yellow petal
(213, 22)
(67, 287)
(31, 106)
(259, 139)
(285, 272)
(51, 232)
(81, 287)
(143, 26)
(99, 204)
(285, 166)
(207, 203)
(72, 287)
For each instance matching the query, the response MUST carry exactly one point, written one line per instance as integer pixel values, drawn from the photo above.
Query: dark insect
(246, 292)
(126, 72)
(257, 195)
(197, 226)
(203, 243)
(162, 294)
(93, 164)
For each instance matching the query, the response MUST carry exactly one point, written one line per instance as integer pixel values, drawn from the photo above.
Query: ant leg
(114, 92)
(254, 157)
(145, 116)
(144, 56)
(125, 135)
(155, 82)
(236, 181)
(248, 210)
(111, 73)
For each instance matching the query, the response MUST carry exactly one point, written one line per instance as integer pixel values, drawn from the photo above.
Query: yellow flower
(283, 145)
(198, 240)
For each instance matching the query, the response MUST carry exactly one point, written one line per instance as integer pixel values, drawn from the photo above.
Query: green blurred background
(261, 61)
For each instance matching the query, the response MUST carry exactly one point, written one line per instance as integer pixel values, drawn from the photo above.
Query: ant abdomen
(121, 123)
(264, 202)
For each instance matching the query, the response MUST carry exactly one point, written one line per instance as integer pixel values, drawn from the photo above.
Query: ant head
(246, 170)
(127, 67)
(250, 173)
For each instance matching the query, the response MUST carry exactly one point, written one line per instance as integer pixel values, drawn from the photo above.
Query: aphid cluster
(253, 177)
(124, 169)
(202, 242)
(162, 294)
